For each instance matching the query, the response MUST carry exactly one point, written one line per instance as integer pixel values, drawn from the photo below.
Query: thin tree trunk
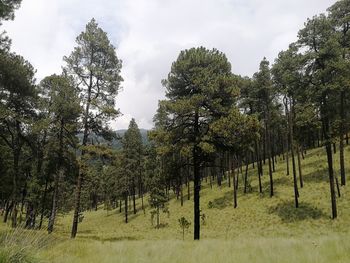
(257, 149)
(126, 208)
(246, 177)
(54, 201)
(181, 191)
(328, 146)
(43, 201)
(291, 134)
(234, 186)
(16, 154)
(133, 195)
(81, 171)
(337, 184)
(299, 166)
(341, 140)
(188, 183)
(269, 159)
(196, 173)
(287, 137)
(8, 210)
(77, 205)
(157, 217)
(229, 167)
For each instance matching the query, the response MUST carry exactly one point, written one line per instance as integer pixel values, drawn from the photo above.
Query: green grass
(261, 229)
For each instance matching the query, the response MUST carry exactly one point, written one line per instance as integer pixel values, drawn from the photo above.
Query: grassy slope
(261, 229)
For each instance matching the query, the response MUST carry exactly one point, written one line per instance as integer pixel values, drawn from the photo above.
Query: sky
(149, 34)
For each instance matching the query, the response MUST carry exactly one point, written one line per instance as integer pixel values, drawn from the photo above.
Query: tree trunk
(246, 177)
(188, 183)
(14, 216)
(234, 186)
(181, 191)
(142, 205)
(337, 184)
(77, 205)
(43, 201)
(328, 145)
(16, 155)
(259, 163)
(269, 158)
(291, 135)
(8, 209)
(341, 140)
(126, 208)
(80, 174)
(157, 217)
(229, 169)
(133, 195)
(299, 166)
(54, 201)
(196, 175)
(272, 142)
(287, 137)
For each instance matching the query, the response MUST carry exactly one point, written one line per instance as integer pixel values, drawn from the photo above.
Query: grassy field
(261, 229)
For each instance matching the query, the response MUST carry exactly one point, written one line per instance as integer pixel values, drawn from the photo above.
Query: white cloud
(149, 35)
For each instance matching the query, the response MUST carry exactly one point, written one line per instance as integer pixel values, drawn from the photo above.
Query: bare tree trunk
(260, 168)
(246, 177)
(43, 201)
(181, 191)
(77, 205)
(158, 217)
(188, 183)
(285, 100)
(269, 159)
(299, 166)
(229, 167)
(325, 125)
(54, 201)
(341, 140)
(291, 134)
(8, 209)
(196, 173)
(133, 195)
(234, 187)
(126, 208)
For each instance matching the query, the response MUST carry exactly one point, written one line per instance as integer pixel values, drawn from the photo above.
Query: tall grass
(20, 245)
(333, 249)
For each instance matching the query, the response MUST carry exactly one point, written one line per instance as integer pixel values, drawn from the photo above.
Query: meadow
(260, 229)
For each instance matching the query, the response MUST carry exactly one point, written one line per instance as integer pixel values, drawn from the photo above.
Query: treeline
(212, 126)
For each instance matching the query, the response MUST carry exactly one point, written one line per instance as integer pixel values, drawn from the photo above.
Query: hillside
(261, 229)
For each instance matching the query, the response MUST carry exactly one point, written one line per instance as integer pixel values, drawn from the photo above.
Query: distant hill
(117, 144)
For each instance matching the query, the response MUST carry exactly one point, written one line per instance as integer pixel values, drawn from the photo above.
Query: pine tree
(95, 69)
(199, 89)
(132, 151)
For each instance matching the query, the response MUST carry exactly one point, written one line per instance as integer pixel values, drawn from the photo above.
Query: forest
(248, 140)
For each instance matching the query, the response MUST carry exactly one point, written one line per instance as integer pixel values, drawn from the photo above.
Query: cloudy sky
(149, 34)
